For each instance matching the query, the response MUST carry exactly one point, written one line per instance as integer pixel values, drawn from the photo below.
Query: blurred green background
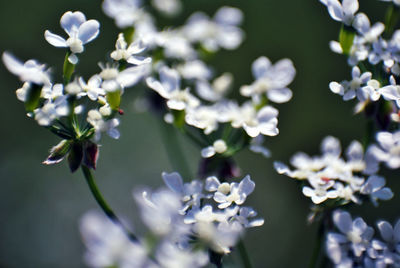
(40, 205)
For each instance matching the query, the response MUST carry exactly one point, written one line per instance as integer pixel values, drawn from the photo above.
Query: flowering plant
(197, 220)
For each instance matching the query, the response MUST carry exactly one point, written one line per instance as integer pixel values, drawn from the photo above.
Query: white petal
(71, 21)
(207, 152)
(260, 67)
(54, 39)
(246, 186)
(335, 10)
(350, 6)
(343, 221)
(386, 230)
(174, 181)
(138, 60)
(88, 31)
(336, 88)
(280, 95)
(212, 184)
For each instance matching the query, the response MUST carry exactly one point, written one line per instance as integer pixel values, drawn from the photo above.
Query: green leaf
(346, 38)
(58, 152)
(75, 156)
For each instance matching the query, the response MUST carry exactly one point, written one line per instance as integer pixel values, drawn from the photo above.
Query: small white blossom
(129, 53)
(226, 193)
(343, 12)
(31, 71)
(95, 118)
(79, 30)
(271, 80)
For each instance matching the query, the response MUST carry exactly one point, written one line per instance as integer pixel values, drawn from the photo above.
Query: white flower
(107, 244)
(222, 31)
(350, 89)
(226, 193)
(343, 12)
(374, 187)
(388, 150)
(160, 212)
(129, 53)
(271, 80)
(51, 110)
(255, 122)
(124, 12)
(114, 80)
(391, 92)
(93, 87)
(168, 7)
(218, 147)
(256, 145)
(79, 30)
(194, 69)
(100, 125)
(169, 88)
(245, 218)
(215, 91)
(170, 255)
(31, 71)
(190, 193)
(203, 117)
(355, 237)
(368, 34)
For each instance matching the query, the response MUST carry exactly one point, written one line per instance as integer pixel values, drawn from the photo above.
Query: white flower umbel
(31, 71)
(79, 30)
(332, 177)
(343, 12)
(271, 80)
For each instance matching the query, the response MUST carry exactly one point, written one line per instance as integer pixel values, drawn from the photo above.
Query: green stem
(316, 256)
(174, 150)
(102, 203)
(244, 255)
(391, 18)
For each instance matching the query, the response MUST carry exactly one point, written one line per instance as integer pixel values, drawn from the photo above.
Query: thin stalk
(244, 255)
(316, 256)
(102, 202)
(174, 150)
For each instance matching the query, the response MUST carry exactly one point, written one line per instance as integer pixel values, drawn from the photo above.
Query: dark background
(40, 205)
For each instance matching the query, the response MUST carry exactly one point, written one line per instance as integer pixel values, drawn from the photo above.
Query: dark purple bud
(75, 156)
(90, 154)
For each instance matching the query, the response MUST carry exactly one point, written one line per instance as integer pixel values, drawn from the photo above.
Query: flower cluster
(62, 107)
(366, 49)
(355, 246)
(330, 177)
(195, 95)
(185, 220)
